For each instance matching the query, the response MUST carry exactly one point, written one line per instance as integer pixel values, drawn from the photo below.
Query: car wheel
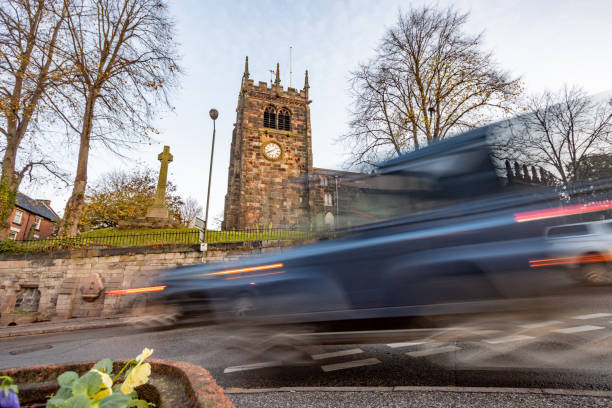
(597, 273)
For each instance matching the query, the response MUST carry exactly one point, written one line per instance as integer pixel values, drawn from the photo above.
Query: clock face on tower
(272, 151)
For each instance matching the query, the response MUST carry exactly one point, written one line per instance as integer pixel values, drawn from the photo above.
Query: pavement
(59, 326)
(555, 361)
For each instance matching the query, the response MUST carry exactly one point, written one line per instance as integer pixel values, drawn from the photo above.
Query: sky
(548, 43)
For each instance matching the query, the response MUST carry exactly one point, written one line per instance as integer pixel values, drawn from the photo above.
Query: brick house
(31, 219)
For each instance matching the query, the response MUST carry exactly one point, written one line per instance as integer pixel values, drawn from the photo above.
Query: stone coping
(87, 253)
(201, 389)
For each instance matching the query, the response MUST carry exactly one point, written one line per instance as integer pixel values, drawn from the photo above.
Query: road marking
(577, 329)
(350, 364)
(508, 339)
(433, 351)
(406, 344)
(592, 316)
(337, 354)
(252, 366)
(540, 324)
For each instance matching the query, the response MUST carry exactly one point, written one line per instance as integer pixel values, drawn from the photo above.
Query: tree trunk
(8, 189)
(76, 202)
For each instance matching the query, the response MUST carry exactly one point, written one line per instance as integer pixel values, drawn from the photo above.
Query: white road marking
(540, 324)
(406, 344)
(592, 316)
(337, 354)
(508, 339)
(350, 364)
(433, 351)
(578, 329)
(252, 366)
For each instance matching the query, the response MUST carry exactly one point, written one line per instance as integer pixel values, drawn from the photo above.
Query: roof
(330, 172)
(37, 207)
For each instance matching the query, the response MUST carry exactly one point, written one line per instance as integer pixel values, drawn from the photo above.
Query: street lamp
(214, 114)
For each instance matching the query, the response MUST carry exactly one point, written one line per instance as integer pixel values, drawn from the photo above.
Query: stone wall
(42, 286)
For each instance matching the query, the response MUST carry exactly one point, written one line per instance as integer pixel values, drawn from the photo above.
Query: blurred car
(439, 231)
(585, 248)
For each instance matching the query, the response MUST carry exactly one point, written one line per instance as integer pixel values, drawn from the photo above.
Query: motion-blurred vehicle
(585, 248)
(439, 231)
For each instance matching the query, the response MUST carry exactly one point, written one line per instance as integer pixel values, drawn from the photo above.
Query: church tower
(271, 151)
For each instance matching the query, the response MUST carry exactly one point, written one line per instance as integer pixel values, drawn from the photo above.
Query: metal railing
(167, 238)
(153, 239)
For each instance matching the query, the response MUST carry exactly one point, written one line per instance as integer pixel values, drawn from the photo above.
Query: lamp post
(214, 114)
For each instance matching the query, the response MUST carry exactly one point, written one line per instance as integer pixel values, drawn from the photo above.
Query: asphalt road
(570, 350)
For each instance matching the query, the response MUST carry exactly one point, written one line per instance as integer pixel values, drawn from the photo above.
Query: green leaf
(139, 404)
(115, 401)
(64, 393)
(55, 402)
(106, 366)
(67, 378)
(88, 384)
(77, 401)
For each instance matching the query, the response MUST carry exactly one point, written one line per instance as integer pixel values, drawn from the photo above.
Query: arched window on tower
(270, 117)
(284, 119)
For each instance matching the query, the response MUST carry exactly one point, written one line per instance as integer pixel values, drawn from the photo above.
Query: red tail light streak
(562, 211)
(136, 290)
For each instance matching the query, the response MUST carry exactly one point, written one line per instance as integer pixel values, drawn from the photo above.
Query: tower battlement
(274, 89)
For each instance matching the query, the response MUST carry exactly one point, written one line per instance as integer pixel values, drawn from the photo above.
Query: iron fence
(153, 239)
(250, 237)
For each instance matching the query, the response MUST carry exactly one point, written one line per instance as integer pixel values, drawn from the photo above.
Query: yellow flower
(108, 384)
(137, 376)
(144, 354)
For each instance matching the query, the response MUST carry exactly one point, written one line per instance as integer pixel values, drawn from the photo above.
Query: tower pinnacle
(277, 80)
(246, 67)
(306, 85)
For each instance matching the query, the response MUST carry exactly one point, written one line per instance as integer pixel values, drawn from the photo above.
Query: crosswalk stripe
(252, 366)
(406, 344)
(592, 316)
(350, 364)
(508, 339)
(578, 329)
(433, 351)
(337, 354)
(540, 324)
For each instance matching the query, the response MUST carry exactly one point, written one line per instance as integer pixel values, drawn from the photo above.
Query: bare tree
(428, 80)
(29, 67)
(565, 133)
(124, 59)
(189, 210)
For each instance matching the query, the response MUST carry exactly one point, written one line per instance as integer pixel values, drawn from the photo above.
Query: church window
(284, 119)
(328, 200)
(270, 117)
(323, 181)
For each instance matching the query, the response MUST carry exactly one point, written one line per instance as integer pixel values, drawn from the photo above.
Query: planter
(173, 384)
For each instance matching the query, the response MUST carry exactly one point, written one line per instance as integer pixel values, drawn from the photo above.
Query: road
(568, 351)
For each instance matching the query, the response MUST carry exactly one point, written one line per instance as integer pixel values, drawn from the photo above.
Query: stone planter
(174, 384)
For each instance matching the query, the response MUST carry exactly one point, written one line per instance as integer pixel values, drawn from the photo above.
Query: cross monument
(159, 209)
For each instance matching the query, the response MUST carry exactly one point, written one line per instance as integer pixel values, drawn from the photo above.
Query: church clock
(272, 151)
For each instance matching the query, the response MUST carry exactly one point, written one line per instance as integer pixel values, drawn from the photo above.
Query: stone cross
(159, 209)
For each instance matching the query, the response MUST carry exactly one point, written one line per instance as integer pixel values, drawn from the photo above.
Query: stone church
(271, 180)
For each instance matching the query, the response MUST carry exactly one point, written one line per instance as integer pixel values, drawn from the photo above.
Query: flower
(143, 355)
(8, 399)
(137, 376)
(108, 385)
